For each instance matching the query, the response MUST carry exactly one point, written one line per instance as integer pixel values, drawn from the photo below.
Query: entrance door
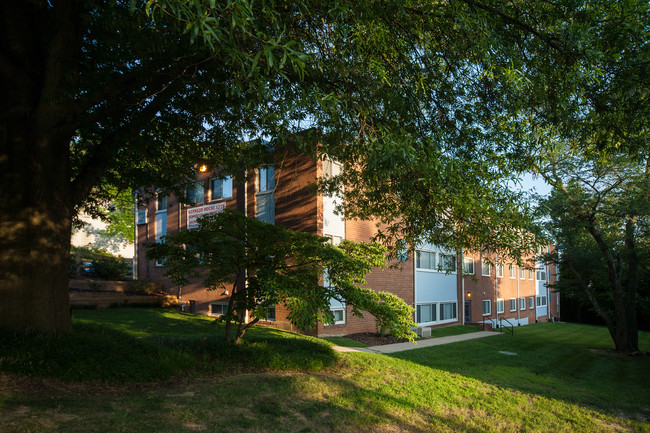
(468, 311)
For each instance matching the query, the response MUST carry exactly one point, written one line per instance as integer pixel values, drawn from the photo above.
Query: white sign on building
(194, 213)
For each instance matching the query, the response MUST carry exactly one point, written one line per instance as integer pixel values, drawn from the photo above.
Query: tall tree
(580, 71)
(129, 93)
(420, 100)
(599, 211)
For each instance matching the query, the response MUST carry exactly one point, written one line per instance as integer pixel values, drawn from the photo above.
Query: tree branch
(549, 40)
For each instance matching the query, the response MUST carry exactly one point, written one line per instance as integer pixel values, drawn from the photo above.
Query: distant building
(87, 236)
(428, 280)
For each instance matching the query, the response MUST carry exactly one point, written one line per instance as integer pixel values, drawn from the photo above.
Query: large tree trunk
(623, 328)
(38, 75)
(35, 226)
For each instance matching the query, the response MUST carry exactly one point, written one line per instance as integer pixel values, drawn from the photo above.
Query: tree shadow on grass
(150, 348)
(553, 361)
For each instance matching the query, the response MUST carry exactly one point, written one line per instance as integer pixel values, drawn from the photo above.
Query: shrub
(109, 268)
(139, 287)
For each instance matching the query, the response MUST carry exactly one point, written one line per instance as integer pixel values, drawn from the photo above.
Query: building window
(161, 220)
(487, 307)
(448, 311)
(531, 274)
(522, 303)
(425, 313)
(221, 188)
(266, 179)
(499, 267)
(426, 260)
(541, 274)
(447, 263)
(270, 314)
(541, 301)
(265, 196)
(339, 316)
(485, 268)
(218, 308)
(402, 250)
(468, 265)
(512, 269)
(531, 302)
(142, 216)
(334, 240)
(500, 306)
(513, 304)
(522, 273)
(195, 193)
(161, 203)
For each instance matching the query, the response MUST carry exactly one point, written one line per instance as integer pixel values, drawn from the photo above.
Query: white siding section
(434, 286)
(333, 224)
(541, 290)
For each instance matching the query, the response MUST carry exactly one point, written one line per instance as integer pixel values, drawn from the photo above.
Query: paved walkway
(399, 347)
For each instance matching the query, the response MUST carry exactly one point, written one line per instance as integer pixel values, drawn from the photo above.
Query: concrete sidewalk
(399, 347)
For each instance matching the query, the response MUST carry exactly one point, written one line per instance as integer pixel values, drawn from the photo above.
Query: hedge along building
(285, 194)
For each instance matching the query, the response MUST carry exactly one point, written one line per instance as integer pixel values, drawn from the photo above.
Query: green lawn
(561, 379)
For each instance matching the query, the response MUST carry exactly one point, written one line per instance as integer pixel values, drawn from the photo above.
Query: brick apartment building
(428, 280)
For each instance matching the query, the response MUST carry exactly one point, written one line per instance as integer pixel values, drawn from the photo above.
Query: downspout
(548, 292)
(415, 287)
(519, 306)
(245, 214)
(496, 289)
(459, 274)
(135, 235)
(178, 218)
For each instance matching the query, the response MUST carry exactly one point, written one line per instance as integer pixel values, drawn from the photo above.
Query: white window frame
(265, 194)
(512, 270)
(499, 270)
(485, 263)
(223, 305)
(531, 274)
(531, 302)
(487, 302)
(266, 179)
(468, 266)
(522, 304)
(541, 301)
(522, 273)
(444, 260)
(541, 274)
(161, 219)
(431, 262)
(501, 306)
(226, 188)
(513, 304)
(433, 308)
(454, 310)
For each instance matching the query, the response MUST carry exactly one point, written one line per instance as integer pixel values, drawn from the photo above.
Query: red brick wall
(479, 288)
(177, 220)
(399, 281)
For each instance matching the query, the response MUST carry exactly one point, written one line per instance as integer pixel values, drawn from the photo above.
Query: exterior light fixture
(203, 168)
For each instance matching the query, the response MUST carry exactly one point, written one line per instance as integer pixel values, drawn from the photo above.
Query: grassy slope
(553, 384)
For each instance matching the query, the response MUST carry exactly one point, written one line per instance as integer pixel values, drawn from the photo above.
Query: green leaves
(281, 267)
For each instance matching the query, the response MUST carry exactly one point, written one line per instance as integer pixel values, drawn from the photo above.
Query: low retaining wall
(106, 300)
(105, 294)
(111, 286)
